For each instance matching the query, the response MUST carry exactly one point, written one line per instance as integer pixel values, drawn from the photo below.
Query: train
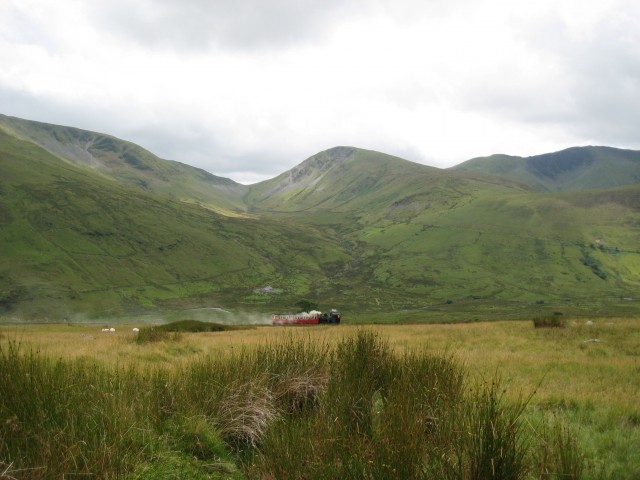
(313, 317)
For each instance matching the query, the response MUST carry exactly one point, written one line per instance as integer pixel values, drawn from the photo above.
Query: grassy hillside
(438, 244)
(74, 242)
(130, 164)
(573, 169)
(342, 178)
(509, 252)
(360, 230)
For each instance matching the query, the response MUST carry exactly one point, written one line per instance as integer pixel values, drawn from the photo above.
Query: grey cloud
(24, 105)
(191, 144)
(235, 24)
(21, 27)
(606, 82)
(199, 148)
(207, 149)
(593, 91)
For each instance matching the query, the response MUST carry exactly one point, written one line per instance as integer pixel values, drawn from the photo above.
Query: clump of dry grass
(245, 412)
(296, 390)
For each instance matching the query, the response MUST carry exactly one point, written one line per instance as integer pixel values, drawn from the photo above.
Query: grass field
(586, 376)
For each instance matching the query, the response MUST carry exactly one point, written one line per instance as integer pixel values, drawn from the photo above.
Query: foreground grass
(591, 387)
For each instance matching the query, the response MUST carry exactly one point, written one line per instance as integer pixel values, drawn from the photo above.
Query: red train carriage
(306, 318)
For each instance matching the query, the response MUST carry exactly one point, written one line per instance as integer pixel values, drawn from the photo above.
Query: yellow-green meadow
(578, 386)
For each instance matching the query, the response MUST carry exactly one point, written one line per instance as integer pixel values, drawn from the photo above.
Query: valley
(94, 227)
(438, 274)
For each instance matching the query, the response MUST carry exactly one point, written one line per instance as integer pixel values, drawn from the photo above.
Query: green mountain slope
(75, 242)
(341, 176)
(348, 186)
(375, 235)
(573, 169)
(130, 164)
(438, 242)
(509, 251)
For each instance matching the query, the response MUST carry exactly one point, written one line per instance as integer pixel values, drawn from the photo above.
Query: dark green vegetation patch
(196, 326)
(556, 320)
(172, 331)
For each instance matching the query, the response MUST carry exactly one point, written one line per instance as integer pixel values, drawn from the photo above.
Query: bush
(306, 305)
(172, 331)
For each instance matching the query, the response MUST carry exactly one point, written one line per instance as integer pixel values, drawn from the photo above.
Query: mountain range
(573, 169)
(92, 226)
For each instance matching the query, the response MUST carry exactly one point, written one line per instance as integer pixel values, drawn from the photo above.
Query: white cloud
(577, 70)
(198, 25)
(249, 89)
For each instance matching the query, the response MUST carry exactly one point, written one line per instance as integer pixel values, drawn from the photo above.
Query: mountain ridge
(128, 163)
(566, 169)
(571, 169)
(353, 228)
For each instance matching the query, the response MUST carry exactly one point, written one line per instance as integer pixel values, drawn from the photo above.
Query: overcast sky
(247, 89)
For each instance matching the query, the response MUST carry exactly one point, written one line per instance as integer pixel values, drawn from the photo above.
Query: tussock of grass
(299, 389)
(245, 413)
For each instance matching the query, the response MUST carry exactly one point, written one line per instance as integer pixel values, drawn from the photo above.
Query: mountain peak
(338, 153)
(320, 162)
(553, 164)
(572, 169)
(333, 177)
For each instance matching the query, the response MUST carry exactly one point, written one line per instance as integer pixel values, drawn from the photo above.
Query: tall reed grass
(66, 417)
(288, 409)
